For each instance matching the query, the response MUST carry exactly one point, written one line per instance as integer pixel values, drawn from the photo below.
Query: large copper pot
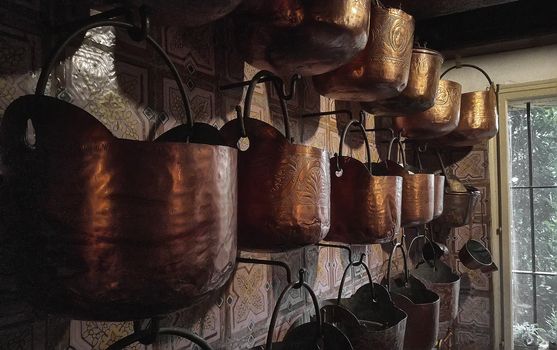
(381, 70)
(438, 120)
(284, 189)
(305, 37)
(365, 209)
(189, 13)
(478, 115)
(420, 91)
(113, 229)
(420, 304)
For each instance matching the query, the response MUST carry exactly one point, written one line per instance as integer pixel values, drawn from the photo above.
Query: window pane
(545, 223)
(523, 298)
(546, 298)
(544, 141)
(518, 129)
(520, 225)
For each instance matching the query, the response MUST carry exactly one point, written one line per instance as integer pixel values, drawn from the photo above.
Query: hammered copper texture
(93, 249)
(283, 190)
(381, 70)
(306, 37)
(478, 119)
(418, 199)
(445, 283)
(420, 91)
(365, 209)
(438, 120)
(190, 13)
(439, 190)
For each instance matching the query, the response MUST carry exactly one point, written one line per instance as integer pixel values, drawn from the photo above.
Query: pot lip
(473, 256)
(426, 51)
(396, 12)
(450, 83)
(468, 94)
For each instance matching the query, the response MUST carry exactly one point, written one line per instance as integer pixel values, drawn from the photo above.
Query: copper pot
(474, 255)
(439, 190)
(189, 13)
(420, 91)
(295, 208)
(365, 209)
(437, 121)
(420, 304)
(111, 228)
(305, 37)
(381, 70)
(478, 115)
(440, 278)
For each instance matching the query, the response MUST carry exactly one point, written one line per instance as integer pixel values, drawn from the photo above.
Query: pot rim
(426, 51)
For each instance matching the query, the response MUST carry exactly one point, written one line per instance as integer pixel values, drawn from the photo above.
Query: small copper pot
(381, 70)
(305, 37)
(437, 121)
(365, 209)
(188, 13)
(420, 92)
(478, 115)
(474, 255)
(283, 189)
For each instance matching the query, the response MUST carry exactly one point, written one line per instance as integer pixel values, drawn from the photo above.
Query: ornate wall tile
(295, 299)
(475, 311)
(320, 271)
(473, 167)
(473, 339)
(191, 47)
(85, 335)
(464, 233)
(17, 338)
(338, 259)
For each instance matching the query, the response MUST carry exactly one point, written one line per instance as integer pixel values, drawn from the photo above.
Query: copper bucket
(189, 13)
(437, 121)
(305, 37)
(113, 228)
(420, 91)
(381, 70)
(284, 189)
(420, 304)
(478, 115)
(365, 209)
(369, 317)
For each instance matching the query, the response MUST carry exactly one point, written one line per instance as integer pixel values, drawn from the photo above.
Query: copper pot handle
(278, 85)
(301, 283)
(360, 127)
(345, 274)
(457, 66)
(52, 61)
(389, 265)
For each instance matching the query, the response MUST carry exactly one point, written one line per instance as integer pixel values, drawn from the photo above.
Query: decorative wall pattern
(122, 83)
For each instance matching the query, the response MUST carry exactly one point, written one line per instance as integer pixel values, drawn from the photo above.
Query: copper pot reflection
(478, 116)
(439, 190)
(305, 37)
(111, 229)
(437, 121)
(283, 189)
(381, 70)
(420, 91)
(365, 209)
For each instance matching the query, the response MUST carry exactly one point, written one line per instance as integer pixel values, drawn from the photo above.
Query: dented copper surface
(436, 121)
(381, 70)
(118, 233)
(283, 189)
(305, 37)
(420, 91)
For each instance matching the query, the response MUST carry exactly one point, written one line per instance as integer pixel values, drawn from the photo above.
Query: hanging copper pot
(439, 190)
(111, 229)
(365, 209)
(381, 70)
(188, 13)
(478, 115)
(421, 89)
(474, 255)
(437, 121)
(305, 37)
(368, 317)
(420, 304)
(295, 208)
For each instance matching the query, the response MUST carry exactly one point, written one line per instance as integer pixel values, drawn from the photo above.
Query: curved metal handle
(52, 61)
(295, 285)
(401, 151)
(401, 247)
(457, 66)
(345, 274)
(278, 84)
(359, 125)
(430, 244)
(440, 159)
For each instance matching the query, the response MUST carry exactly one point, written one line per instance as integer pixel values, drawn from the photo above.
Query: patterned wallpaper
(125, 86)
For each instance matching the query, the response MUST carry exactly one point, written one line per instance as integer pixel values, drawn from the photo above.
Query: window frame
(499, 176)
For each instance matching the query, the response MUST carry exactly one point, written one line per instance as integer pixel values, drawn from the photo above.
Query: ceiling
(460, 28)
